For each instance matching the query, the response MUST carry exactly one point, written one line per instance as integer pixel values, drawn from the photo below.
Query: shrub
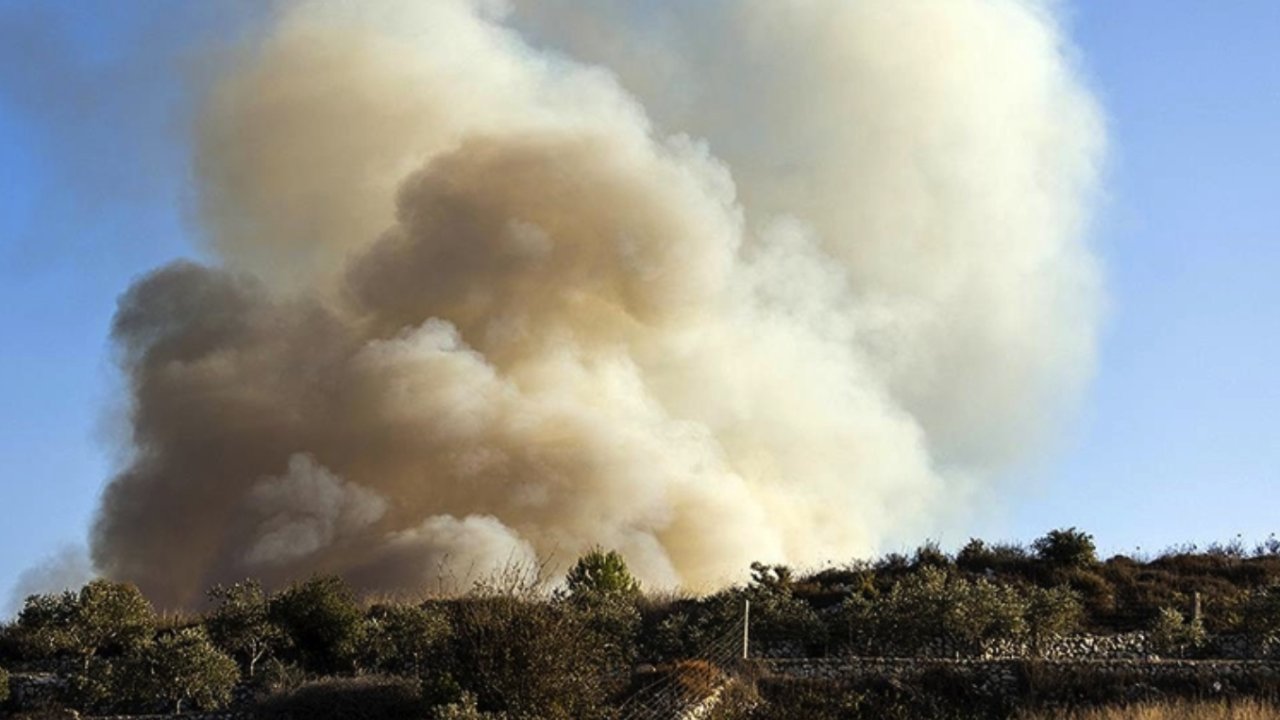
(4, 686)
(528, 658)
(323, 623)
(931, 605)
(777, 617)
(400, 638)
(368, 697)
(465, 709)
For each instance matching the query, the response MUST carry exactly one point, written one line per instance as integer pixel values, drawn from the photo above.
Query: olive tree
(240, 623)
(1052, 612)
(1171, 634)
(932, 605)
(322, 621)
(1261, 615)
(102, 616)
(1066, 548)
(180, 667)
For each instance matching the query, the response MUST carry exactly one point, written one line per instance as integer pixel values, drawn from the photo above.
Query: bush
(465, 709)
(529, 658)
(400, 638)
(4, 686)
(931, 605)
(368, 697)
(322, 622)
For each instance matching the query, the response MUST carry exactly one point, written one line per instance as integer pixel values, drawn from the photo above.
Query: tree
(4, 686)
(44, 626)
(241, 624)
(1261, 615)
(930, 554)
(322, 621)
(975, 556)
(1051, 612)
(1066, 548)
(103, 616)
(179, 667)
(771, 577)
(932, 604)
(1172, 634)
(599, 575)
(111, 615)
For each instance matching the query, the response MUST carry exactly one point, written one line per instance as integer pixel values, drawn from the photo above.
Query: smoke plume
(704, 282)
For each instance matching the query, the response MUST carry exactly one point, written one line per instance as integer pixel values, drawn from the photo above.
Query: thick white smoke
(703, 282)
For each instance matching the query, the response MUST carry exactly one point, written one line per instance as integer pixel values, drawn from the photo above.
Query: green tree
(932, 605)
(1051, 612)
(240, 623)
(975, 556)
(322, 621)
(1067, 548)
(180, 667)
(103, 616)
(1260, 615)
(1171, 634)
(44, 625)
(930, 554)
(599, 575)
(111, 615)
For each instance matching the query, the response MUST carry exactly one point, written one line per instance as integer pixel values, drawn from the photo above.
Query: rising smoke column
(703, 282)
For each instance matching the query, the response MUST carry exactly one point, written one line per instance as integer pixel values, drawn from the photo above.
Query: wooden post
(746, 636)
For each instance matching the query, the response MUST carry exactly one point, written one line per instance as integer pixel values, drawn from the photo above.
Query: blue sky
(1177, 438)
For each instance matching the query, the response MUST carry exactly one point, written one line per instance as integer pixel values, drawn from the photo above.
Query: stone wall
(1006, 676)
(1121, 646)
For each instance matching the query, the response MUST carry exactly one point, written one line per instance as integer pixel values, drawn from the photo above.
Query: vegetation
(179, 667)
(512, 649)
(241, 624)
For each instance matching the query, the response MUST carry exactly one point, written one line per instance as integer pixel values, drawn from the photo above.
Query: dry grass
(1180, 710)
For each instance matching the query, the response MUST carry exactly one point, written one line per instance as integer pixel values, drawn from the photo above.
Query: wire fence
(688, 682)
